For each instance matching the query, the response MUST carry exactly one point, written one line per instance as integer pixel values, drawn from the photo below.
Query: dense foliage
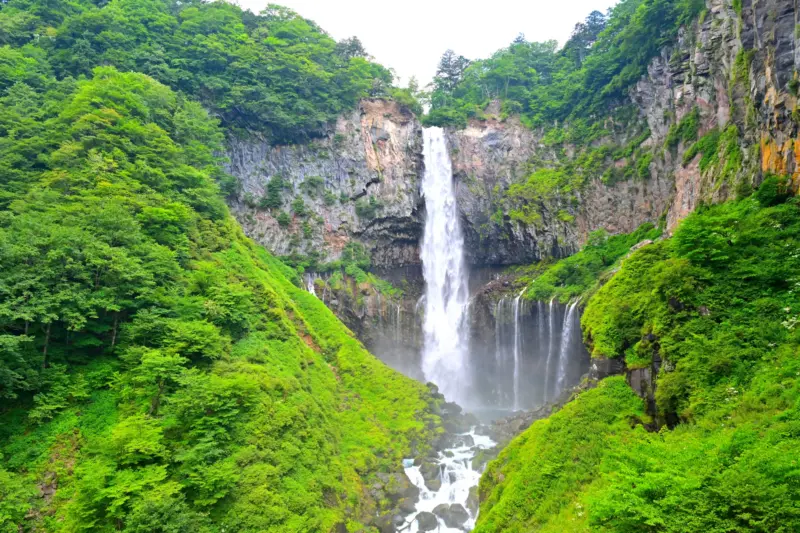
(158, 371)
(274, 73)
(579, 275)
(718, 305)
(604, 57)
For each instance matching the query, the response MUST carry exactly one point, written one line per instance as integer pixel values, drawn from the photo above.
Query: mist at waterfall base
(537, 350)
(534, 355)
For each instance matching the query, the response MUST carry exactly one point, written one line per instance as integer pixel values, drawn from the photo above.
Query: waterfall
(498, 332)
(533, 362)
(310, 279)
(517, 348)
(566, 334)
(551, 335)
(398, 335)
(444, 355)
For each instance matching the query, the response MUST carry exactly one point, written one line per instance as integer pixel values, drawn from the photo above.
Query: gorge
(249, 283)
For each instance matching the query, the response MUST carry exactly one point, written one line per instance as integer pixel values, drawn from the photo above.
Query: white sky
(411, 35)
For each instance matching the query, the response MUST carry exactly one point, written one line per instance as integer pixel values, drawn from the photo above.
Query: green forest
(160, 371)
(578, 82)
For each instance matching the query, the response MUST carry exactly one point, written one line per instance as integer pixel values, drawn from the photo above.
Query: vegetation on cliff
(605, 56)
(577, 99)
(274, 73)
(716, 309)
(159, 371)
(579, 275)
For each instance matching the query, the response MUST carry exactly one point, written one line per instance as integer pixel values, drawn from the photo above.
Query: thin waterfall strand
(498, 331)
(551, 335)
(540, 341)
(566, 334)
(444, 356)
(517, 348)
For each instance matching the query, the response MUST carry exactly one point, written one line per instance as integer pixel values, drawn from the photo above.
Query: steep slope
(159, 371)
(705, 323)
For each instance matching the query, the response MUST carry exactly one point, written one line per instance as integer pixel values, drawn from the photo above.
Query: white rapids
(457, 476)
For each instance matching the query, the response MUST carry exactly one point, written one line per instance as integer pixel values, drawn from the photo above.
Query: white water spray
(457, 476)
(444, 355)
(310, 279)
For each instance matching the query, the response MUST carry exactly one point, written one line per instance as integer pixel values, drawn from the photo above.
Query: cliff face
(489, 156)
(733, 74)
(359, 183)
(737, 71)
(729, 69)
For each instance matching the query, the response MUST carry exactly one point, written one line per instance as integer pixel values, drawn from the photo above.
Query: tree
(584, 36)
(450, 71)
(350, 48)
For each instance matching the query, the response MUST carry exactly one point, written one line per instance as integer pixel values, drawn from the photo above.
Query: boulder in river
(453, 514)
(398, 486)
(407, 505)
(431, 473)
(427, 521)
(473, 502)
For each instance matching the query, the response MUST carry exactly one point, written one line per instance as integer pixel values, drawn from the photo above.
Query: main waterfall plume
(444, 356)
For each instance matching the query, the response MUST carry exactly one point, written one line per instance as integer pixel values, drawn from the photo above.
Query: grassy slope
(718, 303)
(233, 400)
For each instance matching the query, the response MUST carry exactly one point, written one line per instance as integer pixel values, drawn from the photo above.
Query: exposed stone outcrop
(732, 69)
(389, 325)
(490, 155)
(360, 182)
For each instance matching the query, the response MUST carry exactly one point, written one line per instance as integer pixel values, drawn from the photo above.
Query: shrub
(773, 190)
(283, 219)
(299, 207)
(368, 209)
(313, 185)
(275, 188)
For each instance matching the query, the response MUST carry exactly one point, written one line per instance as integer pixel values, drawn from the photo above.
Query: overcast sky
(411, 35)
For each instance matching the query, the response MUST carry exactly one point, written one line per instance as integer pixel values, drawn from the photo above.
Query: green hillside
(717, 305)
(160, 372)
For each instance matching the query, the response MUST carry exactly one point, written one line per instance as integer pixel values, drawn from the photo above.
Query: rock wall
(491, 155)
(389, 325)
(361, 182)
(734, 69)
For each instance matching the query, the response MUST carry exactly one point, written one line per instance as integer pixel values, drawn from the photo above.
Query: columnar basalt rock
(361, 182)
(729, 68)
